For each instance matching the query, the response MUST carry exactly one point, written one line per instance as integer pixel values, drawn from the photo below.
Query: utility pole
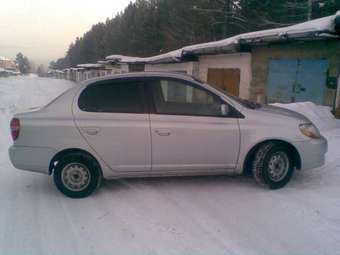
(226, 11)
(225, 19)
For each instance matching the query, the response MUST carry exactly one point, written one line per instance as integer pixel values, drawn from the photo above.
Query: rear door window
(113, 97)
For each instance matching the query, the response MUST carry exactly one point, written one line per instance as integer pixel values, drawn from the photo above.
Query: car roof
(142, 75)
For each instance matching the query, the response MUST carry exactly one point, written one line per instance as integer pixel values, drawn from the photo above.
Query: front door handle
(92, 131)
(163, 132)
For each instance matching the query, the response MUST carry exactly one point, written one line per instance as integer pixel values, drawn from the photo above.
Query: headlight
(309, 130)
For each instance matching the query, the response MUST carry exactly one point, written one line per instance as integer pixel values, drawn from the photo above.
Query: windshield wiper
(251, 105)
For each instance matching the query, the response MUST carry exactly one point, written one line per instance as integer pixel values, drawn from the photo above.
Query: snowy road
(203, 215)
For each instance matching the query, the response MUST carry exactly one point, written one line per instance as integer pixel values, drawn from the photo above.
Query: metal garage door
(295, 80)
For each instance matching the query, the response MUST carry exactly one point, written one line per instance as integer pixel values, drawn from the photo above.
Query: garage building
(291, 64)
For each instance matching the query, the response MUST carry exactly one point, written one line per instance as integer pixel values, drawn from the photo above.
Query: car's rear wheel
(273, 165)
(77, 175)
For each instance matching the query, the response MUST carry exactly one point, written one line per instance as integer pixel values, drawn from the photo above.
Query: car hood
(283, 112)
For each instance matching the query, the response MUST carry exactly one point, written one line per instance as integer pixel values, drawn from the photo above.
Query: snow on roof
(103, 62)
(3, 70)
(123, 59)
(173, 56)
(3, 58)
(90, 65)
(55, 71)
(319, 28)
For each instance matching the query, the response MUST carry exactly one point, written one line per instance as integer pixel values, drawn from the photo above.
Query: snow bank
(20, 93)
(321, 116)
(14, 92)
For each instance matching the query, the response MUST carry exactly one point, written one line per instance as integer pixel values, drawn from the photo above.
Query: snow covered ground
(201, 215)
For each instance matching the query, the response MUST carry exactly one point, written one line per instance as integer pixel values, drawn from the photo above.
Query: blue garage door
(294, 80)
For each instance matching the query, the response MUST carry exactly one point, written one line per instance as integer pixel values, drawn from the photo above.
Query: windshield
(245, 103)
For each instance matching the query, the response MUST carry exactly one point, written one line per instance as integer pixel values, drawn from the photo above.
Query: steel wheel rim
(278, 166)
(76, 177)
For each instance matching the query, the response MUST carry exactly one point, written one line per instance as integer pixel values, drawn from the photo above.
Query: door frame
(235, 114)
(150, 101)
(76, 110)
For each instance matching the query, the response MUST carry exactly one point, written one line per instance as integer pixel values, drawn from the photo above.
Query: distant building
(8, 67)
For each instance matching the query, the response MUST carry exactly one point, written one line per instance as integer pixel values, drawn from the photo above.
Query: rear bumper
(34, 159)
(312, 152)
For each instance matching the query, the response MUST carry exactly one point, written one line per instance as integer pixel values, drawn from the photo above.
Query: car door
(188, 130)
(112, 117)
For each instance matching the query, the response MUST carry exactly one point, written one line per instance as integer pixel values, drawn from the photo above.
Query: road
(196, 215)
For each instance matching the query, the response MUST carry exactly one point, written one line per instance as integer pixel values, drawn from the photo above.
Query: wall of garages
(286, 72)
(220, 70)
(184, 67)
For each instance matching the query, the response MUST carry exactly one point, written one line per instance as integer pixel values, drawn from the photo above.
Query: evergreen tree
(150, 27)
(23, 63)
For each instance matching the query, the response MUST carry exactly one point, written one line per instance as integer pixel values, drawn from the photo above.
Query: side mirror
(224, 109)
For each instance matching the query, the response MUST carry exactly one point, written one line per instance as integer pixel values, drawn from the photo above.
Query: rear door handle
(92, 131)
(163, 132)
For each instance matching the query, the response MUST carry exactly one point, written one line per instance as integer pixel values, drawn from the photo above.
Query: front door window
(177, 98)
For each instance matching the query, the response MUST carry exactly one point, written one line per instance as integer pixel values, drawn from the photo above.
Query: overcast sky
(43, 29)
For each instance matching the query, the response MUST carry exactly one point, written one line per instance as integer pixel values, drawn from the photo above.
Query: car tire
(273, 166)
(77, 175)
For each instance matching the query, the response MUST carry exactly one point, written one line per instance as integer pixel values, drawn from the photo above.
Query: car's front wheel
(273, 165)
(77, 175)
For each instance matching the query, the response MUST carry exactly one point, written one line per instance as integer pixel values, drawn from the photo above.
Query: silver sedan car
(160, 124)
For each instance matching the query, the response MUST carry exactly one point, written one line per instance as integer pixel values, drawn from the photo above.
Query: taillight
(15, 128)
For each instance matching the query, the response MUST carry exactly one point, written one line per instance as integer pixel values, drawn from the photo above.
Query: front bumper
(35, 159)
(312, 152)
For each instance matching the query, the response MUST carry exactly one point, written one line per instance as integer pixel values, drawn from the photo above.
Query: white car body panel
(265, 124)
(50, 127)
(123, 140)
(184, 143)
(35, 159)
(127, 145)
